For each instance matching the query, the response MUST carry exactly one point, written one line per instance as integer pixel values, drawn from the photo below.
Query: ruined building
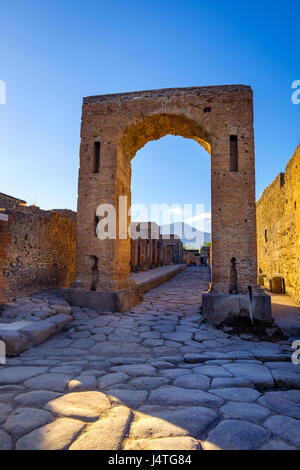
(278, 232)
(37, 249)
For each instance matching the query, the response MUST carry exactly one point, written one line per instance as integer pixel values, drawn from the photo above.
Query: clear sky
(54, 52)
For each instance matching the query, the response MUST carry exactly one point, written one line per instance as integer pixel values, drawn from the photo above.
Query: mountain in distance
(189, 235)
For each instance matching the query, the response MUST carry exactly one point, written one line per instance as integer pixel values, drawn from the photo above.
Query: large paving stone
(235, 435)
(285, 428)
(36, 397)
(280, 405)
(197, 381)
(5, 409)
(244, 411)
(192, 420)
(136, 370)
(24, 420)
(237, 394)
(5, 441)
(179, 336)
(212, 371)
(183, 396)
(276, 444)
(131, 398)
(175, 372)
(14, 375)
(55, 382)
(111, 379)
(259, 375)
(83, 405)
(15, 342)
(167, 443)
(148, 383)
(38, 331)
(293, 395)
(54, 436)
(285, 378)
(107, 433)
(230, 382)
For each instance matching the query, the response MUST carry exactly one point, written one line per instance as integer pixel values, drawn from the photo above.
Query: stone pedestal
(226, 308)
(105, 301)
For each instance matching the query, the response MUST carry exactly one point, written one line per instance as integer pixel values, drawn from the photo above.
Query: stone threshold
(19, 336)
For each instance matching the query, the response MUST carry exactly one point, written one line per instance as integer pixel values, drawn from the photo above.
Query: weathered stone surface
(197, 381)
(15, 342)
(111, 379)
(83, 405)
(107, 433)
(39, 331)
(230, 382)
(24, 420)
(14, 375)
(280, 405)
(36, 397)
(182, 396)
(60, 320)
(174, 372)
(136, 370)
(167, 443)
(286, 379)
(131, 398)
(54, 436)
(148, 383)
(196, 357)
(5, 409)
(5, 441)
(285, 428)
(192, 420)
(244, 411)
(259, 375)
(274, 444)
(237, 394)
(54, 382)
(180, 336)
(212, 371)
(235, 435)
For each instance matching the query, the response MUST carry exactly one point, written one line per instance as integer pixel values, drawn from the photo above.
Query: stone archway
(114, 128)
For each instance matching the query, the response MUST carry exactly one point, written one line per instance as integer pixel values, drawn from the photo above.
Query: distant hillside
(185, 231)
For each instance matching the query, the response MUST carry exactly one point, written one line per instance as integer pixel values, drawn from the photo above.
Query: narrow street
(153, 378)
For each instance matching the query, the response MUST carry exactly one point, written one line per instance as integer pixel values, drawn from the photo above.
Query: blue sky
(55, 52)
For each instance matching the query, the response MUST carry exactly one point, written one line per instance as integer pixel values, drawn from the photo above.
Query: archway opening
(171, 187)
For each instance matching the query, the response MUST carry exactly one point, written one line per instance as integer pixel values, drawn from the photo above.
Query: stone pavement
(152, 378)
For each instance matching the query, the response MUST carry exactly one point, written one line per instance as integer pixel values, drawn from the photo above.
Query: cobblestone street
(155, 378)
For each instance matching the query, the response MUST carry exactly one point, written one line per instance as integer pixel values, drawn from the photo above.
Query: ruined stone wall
(148, 252)
(278, 230)
(39, 252)
(5, 239)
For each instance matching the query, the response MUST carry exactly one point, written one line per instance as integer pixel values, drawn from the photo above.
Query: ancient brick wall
(37, 252)
(5, 239)
(151, 250)
(278, 230)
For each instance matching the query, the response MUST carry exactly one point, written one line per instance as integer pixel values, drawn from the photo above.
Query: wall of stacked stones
(38, 251)
(278, 230)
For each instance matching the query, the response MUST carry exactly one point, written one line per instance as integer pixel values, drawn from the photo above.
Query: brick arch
(114, 128)
(156, 126)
